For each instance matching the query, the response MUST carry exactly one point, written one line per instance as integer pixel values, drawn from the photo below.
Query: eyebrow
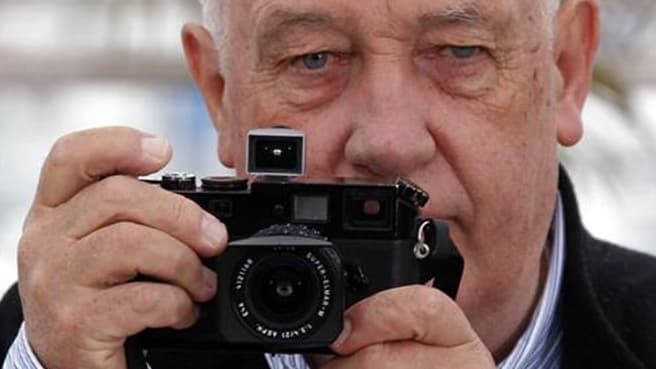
(467, 14)
(283, 22)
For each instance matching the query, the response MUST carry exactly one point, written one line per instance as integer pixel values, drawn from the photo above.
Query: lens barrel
(286, 292)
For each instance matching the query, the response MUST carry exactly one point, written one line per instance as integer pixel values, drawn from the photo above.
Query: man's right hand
(93, 227)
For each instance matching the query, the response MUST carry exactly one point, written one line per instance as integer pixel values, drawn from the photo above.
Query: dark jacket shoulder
(609, 299)
(11, 317)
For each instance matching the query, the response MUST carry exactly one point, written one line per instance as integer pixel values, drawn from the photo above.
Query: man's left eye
(463, 52)
(314, 61)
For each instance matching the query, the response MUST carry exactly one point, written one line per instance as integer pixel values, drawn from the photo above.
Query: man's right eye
(326, 69)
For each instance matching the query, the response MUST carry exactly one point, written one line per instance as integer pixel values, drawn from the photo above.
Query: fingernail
(155, 147)
(346, 332)
(213, 233)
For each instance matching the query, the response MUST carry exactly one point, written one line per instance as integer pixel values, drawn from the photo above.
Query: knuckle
(116, 190)
(165, 304)
(183, 260)
(116, 184)
(27, 250)
(34, 287)
(63, 149)
(145, 299)
(35, 216)
(182, 308)
(175, 307)
(428, 304)
(33, 273)
(118, 237)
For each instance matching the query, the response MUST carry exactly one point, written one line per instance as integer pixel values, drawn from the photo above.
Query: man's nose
(390, 122)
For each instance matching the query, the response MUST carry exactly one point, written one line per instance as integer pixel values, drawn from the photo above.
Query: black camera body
(301, 252)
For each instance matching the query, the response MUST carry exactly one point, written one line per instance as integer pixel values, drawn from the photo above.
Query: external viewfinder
(276, 152)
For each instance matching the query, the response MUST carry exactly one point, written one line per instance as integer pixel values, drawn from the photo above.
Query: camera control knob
(411, 192)
(179, 182)
(224, 184)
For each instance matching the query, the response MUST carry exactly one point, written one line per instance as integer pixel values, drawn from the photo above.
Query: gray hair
(217, 23)
(214, 21)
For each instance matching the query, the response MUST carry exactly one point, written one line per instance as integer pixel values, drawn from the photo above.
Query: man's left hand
(408, 327)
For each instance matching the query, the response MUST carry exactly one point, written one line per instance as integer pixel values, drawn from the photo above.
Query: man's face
(459, 96)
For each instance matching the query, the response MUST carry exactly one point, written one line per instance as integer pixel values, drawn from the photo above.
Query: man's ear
(203, 62)
(575, 50)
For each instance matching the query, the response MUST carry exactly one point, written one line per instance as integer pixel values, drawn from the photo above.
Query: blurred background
(67, 65)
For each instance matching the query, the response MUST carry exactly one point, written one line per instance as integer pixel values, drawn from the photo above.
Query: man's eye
(314, 61)
(463, 52)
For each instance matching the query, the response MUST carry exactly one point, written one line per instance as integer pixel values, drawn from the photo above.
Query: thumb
(418, 313)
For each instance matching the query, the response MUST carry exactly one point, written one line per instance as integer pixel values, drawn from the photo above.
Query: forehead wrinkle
(283, 18)
(275, 24)
(275, 28)
(469, 14)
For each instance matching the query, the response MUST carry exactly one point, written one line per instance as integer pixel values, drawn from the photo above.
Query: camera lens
(283, 290)
(287, 288)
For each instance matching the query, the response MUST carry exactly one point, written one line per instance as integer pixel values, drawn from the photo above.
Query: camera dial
(178, 182)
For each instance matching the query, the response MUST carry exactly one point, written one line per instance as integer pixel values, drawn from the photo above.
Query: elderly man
(470, 99)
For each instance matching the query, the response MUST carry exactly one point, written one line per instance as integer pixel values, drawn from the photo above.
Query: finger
(120, 198)
(405, 354)
(122, 251)
(417, 313)
(81, 158)
(128, 309)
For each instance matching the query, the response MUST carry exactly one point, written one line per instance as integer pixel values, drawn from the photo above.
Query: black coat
(609, 307)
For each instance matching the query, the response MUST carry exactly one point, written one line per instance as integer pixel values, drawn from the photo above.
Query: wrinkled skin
(470, 99)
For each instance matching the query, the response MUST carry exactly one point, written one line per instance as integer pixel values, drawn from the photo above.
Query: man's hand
(92, 229)
(409, 327)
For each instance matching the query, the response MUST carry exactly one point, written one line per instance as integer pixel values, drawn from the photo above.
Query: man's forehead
(262, 10)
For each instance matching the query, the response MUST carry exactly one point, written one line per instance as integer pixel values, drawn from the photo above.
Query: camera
(302, 250)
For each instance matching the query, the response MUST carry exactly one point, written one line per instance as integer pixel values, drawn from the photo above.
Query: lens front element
(284, 294)
(284, 289)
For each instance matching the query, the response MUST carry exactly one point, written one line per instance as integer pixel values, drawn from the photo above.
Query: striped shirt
(540, 347)
(20, 354)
